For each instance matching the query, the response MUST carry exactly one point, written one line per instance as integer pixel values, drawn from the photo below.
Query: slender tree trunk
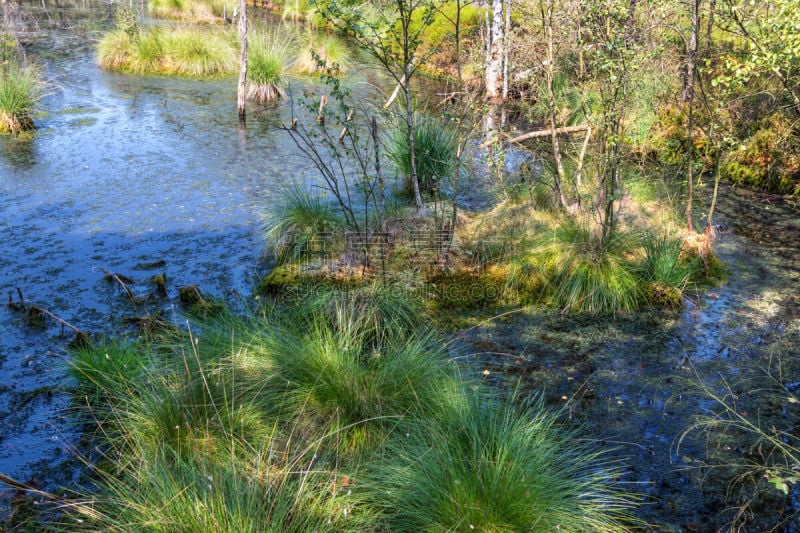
(407, 71)
(691, 63)
(242, 88)
(506, 47)
(457, 37)
(494, 59)
(547, 21)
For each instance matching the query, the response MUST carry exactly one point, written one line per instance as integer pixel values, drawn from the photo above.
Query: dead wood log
(542, 133)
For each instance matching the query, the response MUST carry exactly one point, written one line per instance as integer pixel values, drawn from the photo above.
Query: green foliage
(583, 276)
(769, 159)
(435, 151)
(268, 57)
(297, 221)
(440, 29)
(485, 466)
(125, 20)
(21, 88)
(172, 50)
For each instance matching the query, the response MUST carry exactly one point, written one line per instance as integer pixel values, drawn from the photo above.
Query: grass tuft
(298, 219)
(434, 149)
(268, 60)
(486, 466)
(582, 276)
(21, 88)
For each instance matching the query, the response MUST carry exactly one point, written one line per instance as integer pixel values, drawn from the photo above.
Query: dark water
(125, 170)
(632, 382)
(122, 171)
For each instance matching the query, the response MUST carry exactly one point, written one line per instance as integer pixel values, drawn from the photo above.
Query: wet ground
(149, 175)
(632, 381)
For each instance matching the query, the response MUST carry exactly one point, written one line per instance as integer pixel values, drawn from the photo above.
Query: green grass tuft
(300, 217)
(486, 466)
(581, 276)
(21, 88)
(268, 61)
(434, 149)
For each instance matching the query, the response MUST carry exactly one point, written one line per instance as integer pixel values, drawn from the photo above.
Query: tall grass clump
(194, 52)
(435, 151)
(322, 51)
(486, 466)
(250, 491)
(664, 270)
(268, 62)
(21, 88)
(170, 50)
(582, 276)
(333, 364)
(295, 221)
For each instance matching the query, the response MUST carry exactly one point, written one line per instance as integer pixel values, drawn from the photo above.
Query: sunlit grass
(486, 466)
(581, 275)
(21, 88)
(340, 413)
(295, 221)
(321, 51)
(268, 60)
(174, 50)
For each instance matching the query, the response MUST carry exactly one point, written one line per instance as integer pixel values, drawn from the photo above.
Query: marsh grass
(435, 151)
(340, 414)
(298, 219)
(581, 275)
(173, 50)
(196, 52)
(268, 61)
(665, 270)
(321, 51)
(486, 466)
(21, 88)
(198, 11)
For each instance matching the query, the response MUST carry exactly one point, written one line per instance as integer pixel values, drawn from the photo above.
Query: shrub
(434, 149)
(768, 159)
(21, 88)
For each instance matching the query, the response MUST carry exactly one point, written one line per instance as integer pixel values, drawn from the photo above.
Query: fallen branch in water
(22, 486)
(122, 282)
(37, 313)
